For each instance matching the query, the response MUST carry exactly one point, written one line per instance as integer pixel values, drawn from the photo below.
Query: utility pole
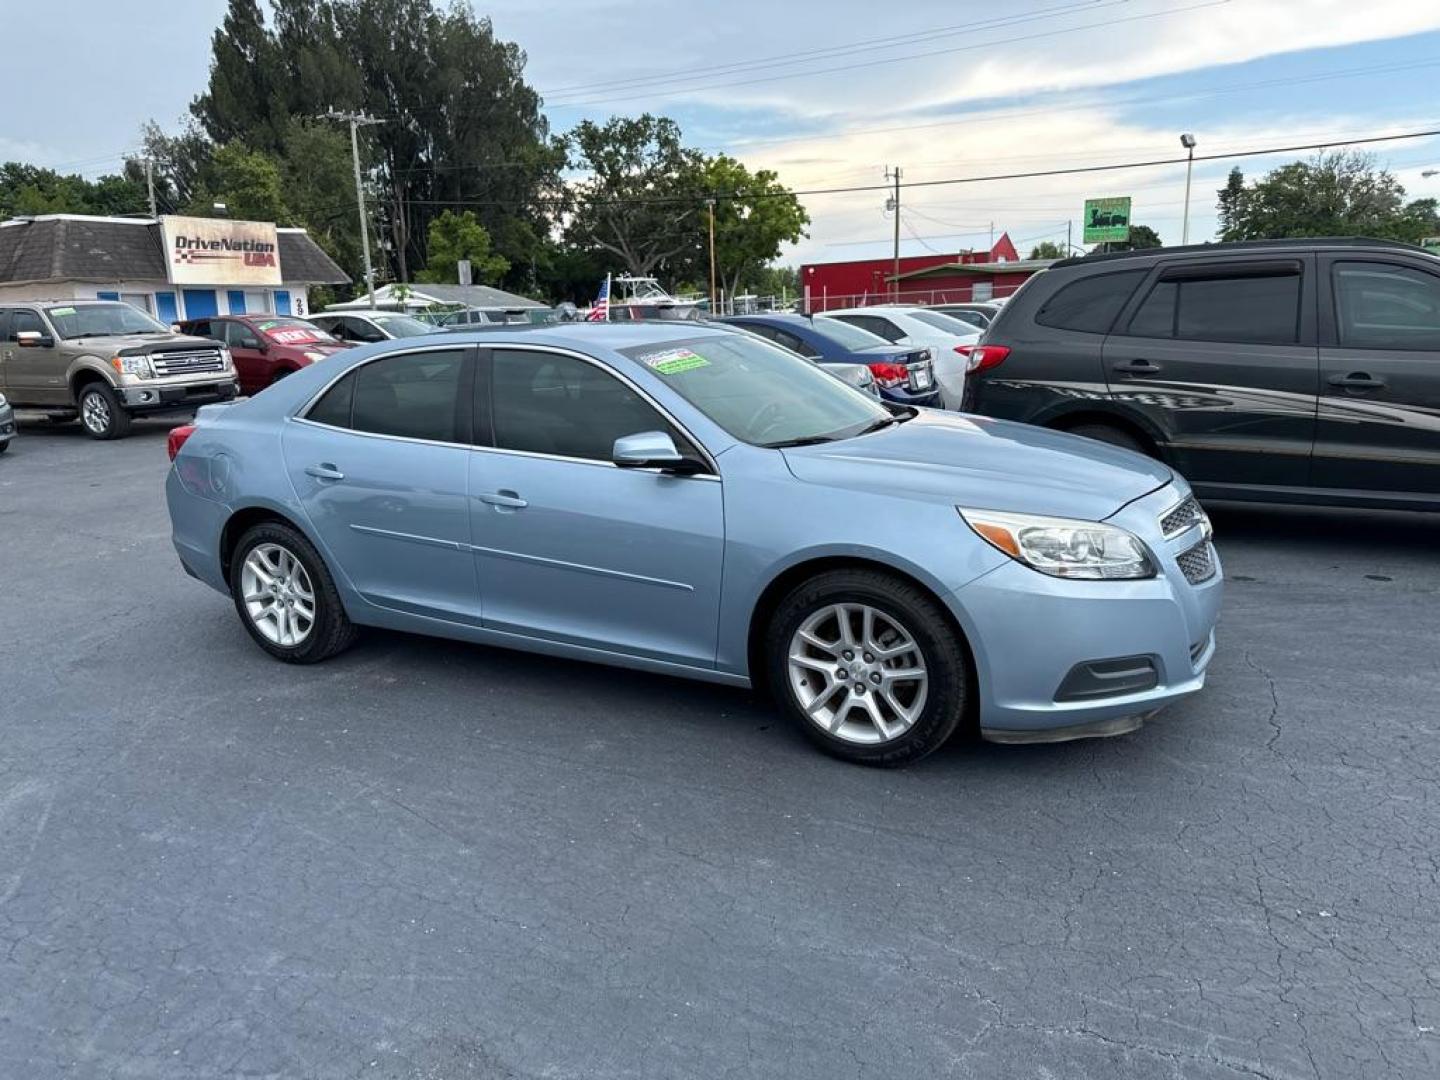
(711, 204)
(150, 183)
(1188, 142)
(1069, 247)
(356, 121)
(895, 205)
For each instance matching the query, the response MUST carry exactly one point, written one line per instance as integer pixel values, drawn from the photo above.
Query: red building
(923, 279)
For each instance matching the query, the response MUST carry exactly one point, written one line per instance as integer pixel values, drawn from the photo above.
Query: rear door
(1218, 358)
(1379, 419)
(380, 464)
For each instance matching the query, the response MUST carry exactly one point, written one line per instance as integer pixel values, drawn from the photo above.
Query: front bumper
(161, 397)
(1029, 632)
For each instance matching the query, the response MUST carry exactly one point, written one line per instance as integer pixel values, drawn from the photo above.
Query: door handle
(507, 500)
(324, 471)
(1138, 367)
(1357, 380)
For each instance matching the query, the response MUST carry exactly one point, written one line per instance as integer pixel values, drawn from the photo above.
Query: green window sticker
(674, 361)
(62, 311)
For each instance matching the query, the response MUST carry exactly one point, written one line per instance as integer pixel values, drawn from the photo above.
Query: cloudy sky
(829, 92)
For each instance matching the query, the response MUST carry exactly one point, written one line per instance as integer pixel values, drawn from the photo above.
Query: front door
(245, 349)
(380, 463)
(571, 548)
(34, 374)
(1219, 357)
(1379, 420)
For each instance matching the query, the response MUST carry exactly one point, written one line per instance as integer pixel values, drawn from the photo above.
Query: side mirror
(33, 339)
(651, 450)
(175, 328)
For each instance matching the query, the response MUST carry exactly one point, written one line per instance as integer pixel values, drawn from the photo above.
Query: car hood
(130, 344)
(988, 464)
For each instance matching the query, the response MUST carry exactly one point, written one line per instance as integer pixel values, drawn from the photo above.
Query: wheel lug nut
(869, 659)
(848, 655)
(860, 688)
(875, 677)
(840, 673)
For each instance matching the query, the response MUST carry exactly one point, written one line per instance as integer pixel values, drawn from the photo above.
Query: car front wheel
(102, 413)
(869, 667)
(286, 597)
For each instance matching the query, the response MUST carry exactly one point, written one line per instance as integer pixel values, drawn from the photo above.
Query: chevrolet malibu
(696, 502)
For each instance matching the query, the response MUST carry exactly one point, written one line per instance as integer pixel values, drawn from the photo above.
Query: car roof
(1289, 244)
(616, 335)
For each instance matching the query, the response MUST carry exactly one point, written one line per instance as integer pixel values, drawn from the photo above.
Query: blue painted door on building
(200, 302)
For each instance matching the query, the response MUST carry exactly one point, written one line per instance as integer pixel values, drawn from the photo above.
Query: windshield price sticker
(293, 337)
(674, 361)
(61, 311)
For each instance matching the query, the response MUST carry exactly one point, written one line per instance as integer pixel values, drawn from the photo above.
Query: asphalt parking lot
(427, 859)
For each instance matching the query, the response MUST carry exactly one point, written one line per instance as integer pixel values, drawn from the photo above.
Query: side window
(1090, 304)
(1383, 306)
(334, 407)
(334, 327)
(885, 328)
(240, 336)
(544, 403)
(1259, 310)
(793, 343)
(416, 395)
(203, 328)
(1156, 316)
(360, 330)
(4, 324)
(769, 333)
(22, 320)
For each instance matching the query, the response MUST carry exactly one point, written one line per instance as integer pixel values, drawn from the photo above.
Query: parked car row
(1284, 371)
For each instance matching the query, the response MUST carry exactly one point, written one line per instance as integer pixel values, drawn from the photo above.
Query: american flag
(600, 310)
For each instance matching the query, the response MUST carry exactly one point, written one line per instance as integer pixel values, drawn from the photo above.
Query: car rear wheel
(868, 666)
(101, 413)
(286, 597)
(1108, 433)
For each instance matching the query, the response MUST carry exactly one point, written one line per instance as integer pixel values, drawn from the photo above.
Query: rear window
(1090, 304)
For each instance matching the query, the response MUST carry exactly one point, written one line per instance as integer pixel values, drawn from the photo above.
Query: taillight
(982, 357)
(889, 374)
(176, 439)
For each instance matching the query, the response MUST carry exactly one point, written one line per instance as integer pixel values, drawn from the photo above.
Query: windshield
(842, 333)
(293, 332)
(938, 320)
(761, 394)
(402, 325)
(102, 320)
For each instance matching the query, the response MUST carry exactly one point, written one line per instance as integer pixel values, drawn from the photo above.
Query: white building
(172, 267)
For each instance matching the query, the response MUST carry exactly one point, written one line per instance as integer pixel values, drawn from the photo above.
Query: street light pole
(711, 204)
(356, 120)
(1188, 142)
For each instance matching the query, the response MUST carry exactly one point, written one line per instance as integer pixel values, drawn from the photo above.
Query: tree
(1143, 236)
(460, 125)
(1338, 193)
(641, 196)
(754, 216)
(1047, 249)
(460, 236)
(31, 189)
(246, 181)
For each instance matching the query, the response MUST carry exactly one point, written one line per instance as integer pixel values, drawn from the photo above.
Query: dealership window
(982, 290)
(257, 302)
(140, 300)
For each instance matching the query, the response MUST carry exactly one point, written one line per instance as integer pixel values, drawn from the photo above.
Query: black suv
(1298, 371)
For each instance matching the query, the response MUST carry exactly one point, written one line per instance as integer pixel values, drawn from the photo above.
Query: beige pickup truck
(105, 362)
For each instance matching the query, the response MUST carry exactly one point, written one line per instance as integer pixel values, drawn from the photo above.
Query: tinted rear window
(1090, 304)
(1250, 309)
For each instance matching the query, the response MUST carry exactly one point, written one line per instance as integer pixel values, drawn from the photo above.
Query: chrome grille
(1187, 515)
(1197, 563)
(189, 362)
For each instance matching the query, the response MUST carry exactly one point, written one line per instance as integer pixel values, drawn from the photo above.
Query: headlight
(139, 366)
(2, 401)
(314, 357)
(1063, 548)
(225, 358)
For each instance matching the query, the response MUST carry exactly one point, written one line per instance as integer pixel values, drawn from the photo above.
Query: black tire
(4, 446)
(1115, 436)
(947, 699)
(280, 375)
(106, 418)
(330, 633)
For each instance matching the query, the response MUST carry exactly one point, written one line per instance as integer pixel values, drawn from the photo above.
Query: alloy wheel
(858, 673)
(279, 597)
(95, 412)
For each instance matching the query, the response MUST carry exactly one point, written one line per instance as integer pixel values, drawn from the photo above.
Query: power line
(913, 56)
(955, 180)
(781, 59)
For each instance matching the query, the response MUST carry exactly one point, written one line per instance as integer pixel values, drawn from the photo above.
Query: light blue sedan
(697, 502)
